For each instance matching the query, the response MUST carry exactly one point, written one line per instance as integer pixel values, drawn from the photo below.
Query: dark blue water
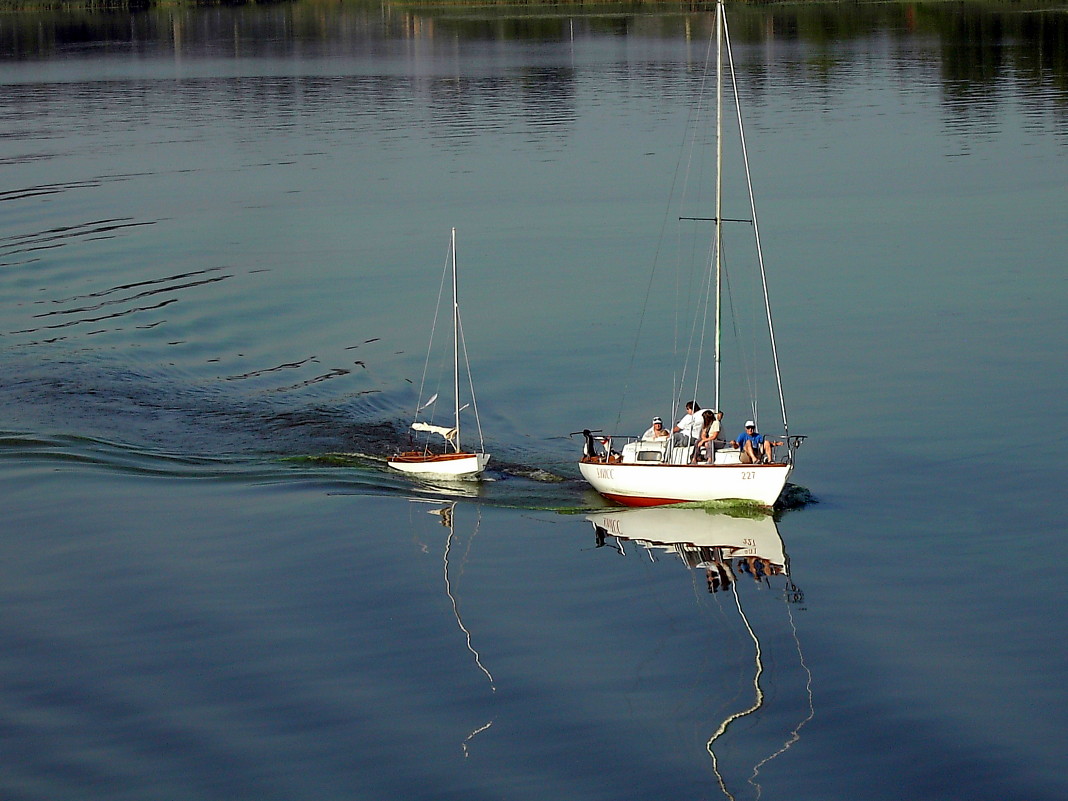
(220, 240)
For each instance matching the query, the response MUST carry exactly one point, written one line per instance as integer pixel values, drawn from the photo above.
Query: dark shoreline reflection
(976, 46)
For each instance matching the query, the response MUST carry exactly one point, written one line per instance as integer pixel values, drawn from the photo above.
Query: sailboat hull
(440, 465)
(660, 484)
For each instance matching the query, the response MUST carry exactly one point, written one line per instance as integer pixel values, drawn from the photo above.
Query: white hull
(461, 465)
(658, 484)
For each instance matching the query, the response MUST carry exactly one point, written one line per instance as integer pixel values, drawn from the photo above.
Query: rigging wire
(756, 227)
(698, 327)
(696, 114)
(462, 345)
(430, 349)
(710, 254)
(470, 382)
(748, 366)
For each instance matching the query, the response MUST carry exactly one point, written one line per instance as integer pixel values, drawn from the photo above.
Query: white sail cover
(445, 431)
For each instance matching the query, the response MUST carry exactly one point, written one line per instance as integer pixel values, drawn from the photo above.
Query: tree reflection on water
(976, 44)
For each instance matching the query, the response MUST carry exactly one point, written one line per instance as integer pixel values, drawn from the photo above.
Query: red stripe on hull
(415, 457)
(630, 500)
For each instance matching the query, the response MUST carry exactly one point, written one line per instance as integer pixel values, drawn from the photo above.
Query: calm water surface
(220, 241)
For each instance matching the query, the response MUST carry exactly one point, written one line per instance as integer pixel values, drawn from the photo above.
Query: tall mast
(719, 187)
(455, 344)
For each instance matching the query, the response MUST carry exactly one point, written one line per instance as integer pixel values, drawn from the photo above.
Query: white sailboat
(452, 462)
(632, 471)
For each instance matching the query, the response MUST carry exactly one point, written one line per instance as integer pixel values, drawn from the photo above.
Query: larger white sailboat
(633, 471)
(452, 461)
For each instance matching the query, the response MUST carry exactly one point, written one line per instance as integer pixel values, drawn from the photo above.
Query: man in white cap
(657, 430)
(755, 447)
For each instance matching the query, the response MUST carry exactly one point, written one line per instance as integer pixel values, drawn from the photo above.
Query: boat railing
(793, 443)
(631, 449)
(612, 448)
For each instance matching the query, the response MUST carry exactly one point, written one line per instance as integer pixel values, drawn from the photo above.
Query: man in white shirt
(688, 430)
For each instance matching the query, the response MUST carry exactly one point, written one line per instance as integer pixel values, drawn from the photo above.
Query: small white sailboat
(633, 471)
(452, 462)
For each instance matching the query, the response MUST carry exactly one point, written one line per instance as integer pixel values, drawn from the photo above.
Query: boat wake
(152, 423)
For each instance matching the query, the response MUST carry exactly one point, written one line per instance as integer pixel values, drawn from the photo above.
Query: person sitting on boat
(755, 447)
(688, 430)
(657, 430)
(610, 455)
(711, 439)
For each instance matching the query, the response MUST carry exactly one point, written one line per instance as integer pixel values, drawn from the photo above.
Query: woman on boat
(710, 440)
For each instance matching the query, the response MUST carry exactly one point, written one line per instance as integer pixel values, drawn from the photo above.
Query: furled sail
(445, 431)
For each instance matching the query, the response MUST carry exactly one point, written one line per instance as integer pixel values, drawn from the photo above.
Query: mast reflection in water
(730, 551)
(447, 514)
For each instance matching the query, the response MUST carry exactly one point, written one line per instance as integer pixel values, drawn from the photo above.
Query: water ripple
(98, 229)
(170, 287)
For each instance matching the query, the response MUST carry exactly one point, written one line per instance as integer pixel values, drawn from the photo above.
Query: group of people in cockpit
(702, 429)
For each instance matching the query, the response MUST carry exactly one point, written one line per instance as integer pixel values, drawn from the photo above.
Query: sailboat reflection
(727, 549)
(447, 513)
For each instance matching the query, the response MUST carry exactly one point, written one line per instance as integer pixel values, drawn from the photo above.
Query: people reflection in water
(601, 536)
(758, 567)
(719, 574)
(722, 566)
